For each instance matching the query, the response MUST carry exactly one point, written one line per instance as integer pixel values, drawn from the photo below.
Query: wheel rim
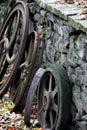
(18, 9)
(49, 99)
(35, 63)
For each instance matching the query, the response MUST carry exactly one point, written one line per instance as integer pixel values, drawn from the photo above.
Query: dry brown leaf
(40, 129)
(11, 128)
(40, 32)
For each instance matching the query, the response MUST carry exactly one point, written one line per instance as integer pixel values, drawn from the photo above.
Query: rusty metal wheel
(25, 68)
(54, 97)
(31, 94)
(13, 35)
(28, 68)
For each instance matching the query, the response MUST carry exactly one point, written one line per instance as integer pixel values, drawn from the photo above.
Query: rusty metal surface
(10, 48)
(25, 68)
(34, 62)
(54, 98)
(48, 97)
(31, 94)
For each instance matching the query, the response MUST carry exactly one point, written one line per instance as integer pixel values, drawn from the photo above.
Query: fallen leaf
(40, 32)
(41, 129)
(11, 128)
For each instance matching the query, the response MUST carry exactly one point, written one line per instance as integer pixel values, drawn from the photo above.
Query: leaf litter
(11, 120)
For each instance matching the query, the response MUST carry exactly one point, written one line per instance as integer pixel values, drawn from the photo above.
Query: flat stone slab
(78, 24)
(63, 10)
(66, 11)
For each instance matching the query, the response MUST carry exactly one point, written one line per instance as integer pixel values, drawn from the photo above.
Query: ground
(13, 121)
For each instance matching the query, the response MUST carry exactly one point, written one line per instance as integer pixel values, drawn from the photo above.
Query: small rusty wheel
(54, 97)
(25, 68)
(32, 62)
(31, 94)
(13, 35)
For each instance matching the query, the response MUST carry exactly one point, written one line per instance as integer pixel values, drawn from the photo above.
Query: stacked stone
(2, 9)
(67, 46)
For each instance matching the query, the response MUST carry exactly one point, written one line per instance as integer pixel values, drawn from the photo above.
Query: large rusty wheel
(13, 35)
(32, 61)
(31, 94)
(54, 97)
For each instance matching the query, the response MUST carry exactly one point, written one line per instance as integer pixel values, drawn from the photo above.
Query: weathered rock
(82, 125)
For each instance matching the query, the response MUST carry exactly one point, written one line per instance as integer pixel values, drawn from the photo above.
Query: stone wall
(69, 47)
(2, 9)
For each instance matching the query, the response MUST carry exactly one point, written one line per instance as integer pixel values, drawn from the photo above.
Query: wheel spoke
(50, 83)
(12, 59)
(51, 118)
(55, 107)
(55, 91)
(45, 91)
(44, 118)
(2, 62)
